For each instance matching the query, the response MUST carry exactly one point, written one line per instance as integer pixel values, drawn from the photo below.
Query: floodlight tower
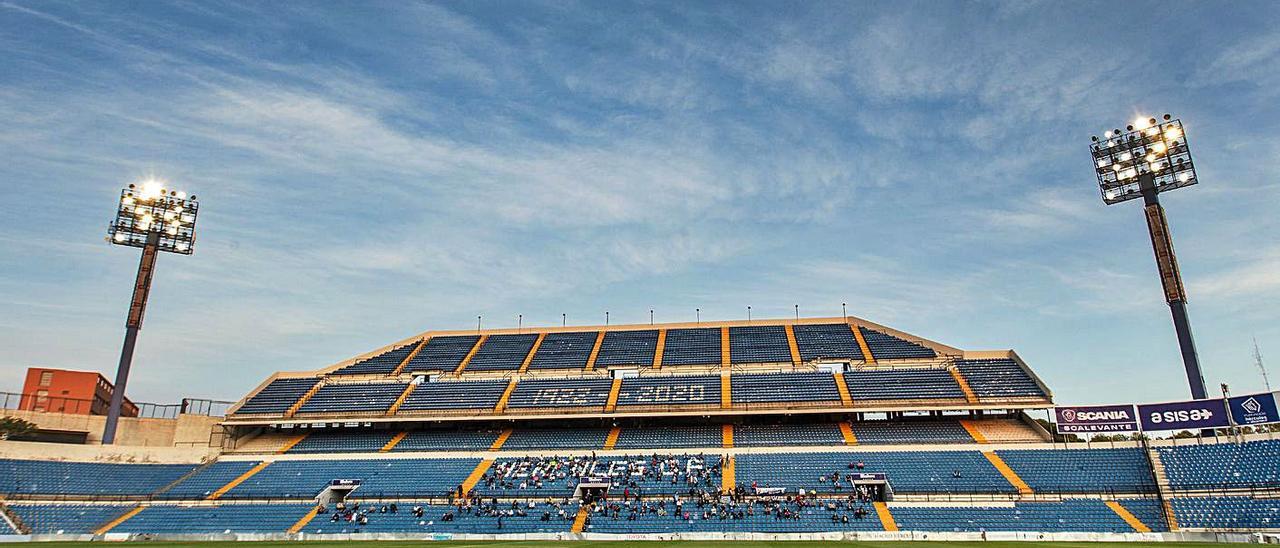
(1149, 157)
(156, 219)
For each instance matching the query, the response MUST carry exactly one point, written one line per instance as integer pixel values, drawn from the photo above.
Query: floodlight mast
(150, 217)
(1149, 157)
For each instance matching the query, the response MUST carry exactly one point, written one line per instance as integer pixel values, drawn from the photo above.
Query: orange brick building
(73, 392)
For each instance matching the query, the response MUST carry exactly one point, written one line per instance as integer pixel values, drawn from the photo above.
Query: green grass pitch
(653, 544)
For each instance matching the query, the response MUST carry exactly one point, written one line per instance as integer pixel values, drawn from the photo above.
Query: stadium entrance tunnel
(337, 491)
(591, 489)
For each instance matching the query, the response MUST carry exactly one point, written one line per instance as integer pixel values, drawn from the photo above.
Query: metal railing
(78, 406)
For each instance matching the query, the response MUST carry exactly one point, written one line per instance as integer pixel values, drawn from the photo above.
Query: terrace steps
(238, 480)
(580, 521)
(506, 396)
(791, 343)
(106, 528)
(886, 517)
(475, 476)
(973, 431)
(502, 439)
(471, 354)
(726, 355)
(845, 399)
(1008, 473)
(1128, 517)
(657, 351)
(528, 359)
(846, 431)
(394, 441)
(612, 402)
(728, 476)
(304, 520)
(969, 396)
(293, 409)
(413, 354)
(595, 352)
(290, 443)
(395, 407)
(612, 438)
(726, 391)
(862, 344)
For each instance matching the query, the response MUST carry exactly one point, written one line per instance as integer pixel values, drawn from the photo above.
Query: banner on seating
(1096, 418)
(1254, 409)
(1183, 415)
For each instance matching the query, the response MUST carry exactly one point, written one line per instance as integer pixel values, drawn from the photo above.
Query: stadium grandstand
(771, 427)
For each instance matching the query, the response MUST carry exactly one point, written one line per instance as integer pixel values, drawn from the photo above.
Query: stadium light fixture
(154, 218)
(1146, 158)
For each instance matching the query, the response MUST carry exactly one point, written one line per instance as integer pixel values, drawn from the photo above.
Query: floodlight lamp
(1150, 155)
(151, 215)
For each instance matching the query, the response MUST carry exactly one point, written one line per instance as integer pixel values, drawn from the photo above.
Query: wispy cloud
(370, 173)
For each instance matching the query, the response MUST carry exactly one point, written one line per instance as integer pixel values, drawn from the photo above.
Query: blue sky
(371, 170)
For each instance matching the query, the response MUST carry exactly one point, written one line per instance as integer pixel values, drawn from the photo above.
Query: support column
(1171, 280)
(137, 308)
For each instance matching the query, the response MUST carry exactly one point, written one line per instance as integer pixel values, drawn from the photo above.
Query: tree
(13, 427)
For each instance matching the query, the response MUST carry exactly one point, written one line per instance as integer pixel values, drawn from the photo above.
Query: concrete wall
(28, 450)
(186, 430)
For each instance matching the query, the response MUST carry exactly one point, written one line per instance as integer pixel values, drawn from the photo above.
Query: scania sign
(1097, 418)
(1184, 415)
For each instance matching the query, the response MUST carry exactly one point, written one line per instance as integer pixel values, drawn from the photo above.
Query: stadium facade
(817, 426)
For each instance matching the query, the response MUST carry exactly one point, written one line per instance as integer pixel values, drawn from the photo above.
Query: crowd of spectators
(724, 508)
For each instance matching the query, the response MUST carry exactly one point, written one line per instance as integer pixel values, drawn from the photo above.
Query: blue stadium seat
(780, 435)
(446, 440)
(914, 383)
(502, 352)
(65, 519)
(694, 346)
(443, 396)
(207, 479)
(442, 353)
(908, 432)
(304, 479)
(277, 397)
(381, 364)
(907, 471)
(29, 477)
(663, 437)
(560, 393)
(759, 344)
(1123, 470)
(667, 390)
(627, 348)
(1226, 512)
(784, 387)
(564, 351)
(1072, 515)
(998, 378)
(556, 438)
(1222, 465)
(826, 341)
(230, 518)
(888, 347)
(339, 441)
(354, 398)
